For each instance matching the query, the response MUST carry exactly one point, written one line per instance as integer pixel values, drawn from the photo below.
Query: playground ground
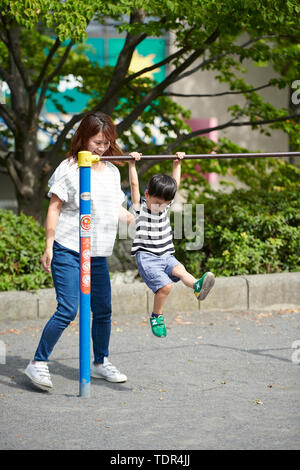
(220, 380)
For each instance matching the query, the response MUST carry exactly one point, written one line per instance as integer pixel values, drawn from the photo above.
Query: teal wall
(149, 51)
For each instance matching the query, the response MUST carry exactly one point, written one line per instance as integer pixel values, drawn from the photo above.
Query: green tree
(43, 40)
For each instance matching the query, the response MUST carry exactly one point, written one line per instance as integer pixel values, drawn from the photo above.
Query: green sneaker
(158, 326)
(204, 285)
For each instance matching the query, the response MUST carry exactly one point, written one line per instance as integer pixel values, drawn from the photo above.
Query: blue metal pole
(85, 281)
(84, 163)
(85, 160)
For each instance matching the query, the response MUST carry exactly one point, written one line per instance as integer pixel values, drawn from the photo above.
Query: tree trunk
(30, 176)
(31, 206)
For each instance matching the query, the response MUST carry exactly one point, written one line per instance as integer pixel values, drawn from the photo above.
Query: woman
(96, 133)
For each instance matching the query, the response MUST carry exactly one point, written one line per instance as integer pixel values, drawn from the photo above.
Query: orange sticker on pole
(85, 225)
(85, 265)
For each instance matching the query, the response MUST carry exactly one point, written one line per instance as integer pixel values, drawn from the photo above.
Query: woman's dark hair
(162, 186)
(90, 125)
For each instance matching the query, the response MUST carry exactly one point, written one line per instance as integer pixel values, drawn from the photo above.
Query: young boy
(153, 245)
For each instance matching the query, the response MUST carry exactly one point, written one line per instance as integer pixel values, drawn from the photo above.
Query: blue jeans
(65, 269)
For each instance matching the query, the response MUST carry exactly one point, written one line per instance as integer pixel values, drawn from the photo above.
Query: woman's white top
(106, 199)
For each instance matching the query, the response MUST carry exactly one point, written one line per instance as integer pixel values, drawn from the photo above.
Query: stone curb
(236, 293)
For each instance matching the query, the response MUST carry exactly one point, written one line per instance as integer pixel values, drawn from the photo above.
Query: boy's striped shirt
(153, 231)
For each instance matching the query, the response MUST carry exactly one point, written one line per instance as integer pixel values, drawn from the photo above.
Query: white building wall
(205, 82)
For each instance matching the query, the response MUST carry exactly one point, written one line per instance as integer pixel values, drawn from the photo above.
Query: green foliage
(220, 36)
(272, 29)
(22, 243)
(249, 231)
(68, 19)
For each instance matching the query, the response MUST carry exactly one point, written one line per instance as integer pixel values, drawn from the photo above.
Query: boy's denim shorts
(156, 270)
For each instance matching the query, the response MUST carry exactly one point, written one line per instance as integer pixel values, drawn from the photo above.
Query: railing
(202, 156)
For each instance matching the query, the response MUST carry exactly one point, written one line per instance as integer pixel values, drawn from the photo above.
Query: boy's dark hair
(162, 186)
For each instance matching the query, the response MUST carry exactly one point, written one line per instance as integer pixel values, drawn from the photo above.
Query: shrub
(22, 243)
(246, 232)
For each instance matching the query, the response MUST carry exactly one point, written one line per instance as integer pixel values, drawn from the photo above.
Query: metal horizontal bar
(210, 156)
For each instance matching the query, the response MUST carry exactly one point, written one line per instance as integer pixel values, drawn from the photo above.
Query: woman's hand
(46, 259)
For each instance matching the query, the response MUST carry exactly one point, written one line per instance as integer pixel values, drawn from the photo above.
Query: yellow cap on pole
(85, 158)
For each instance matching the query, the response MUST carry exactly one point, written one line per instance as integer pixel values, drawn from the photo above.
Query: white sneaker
(39, 374)
(108, 372)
